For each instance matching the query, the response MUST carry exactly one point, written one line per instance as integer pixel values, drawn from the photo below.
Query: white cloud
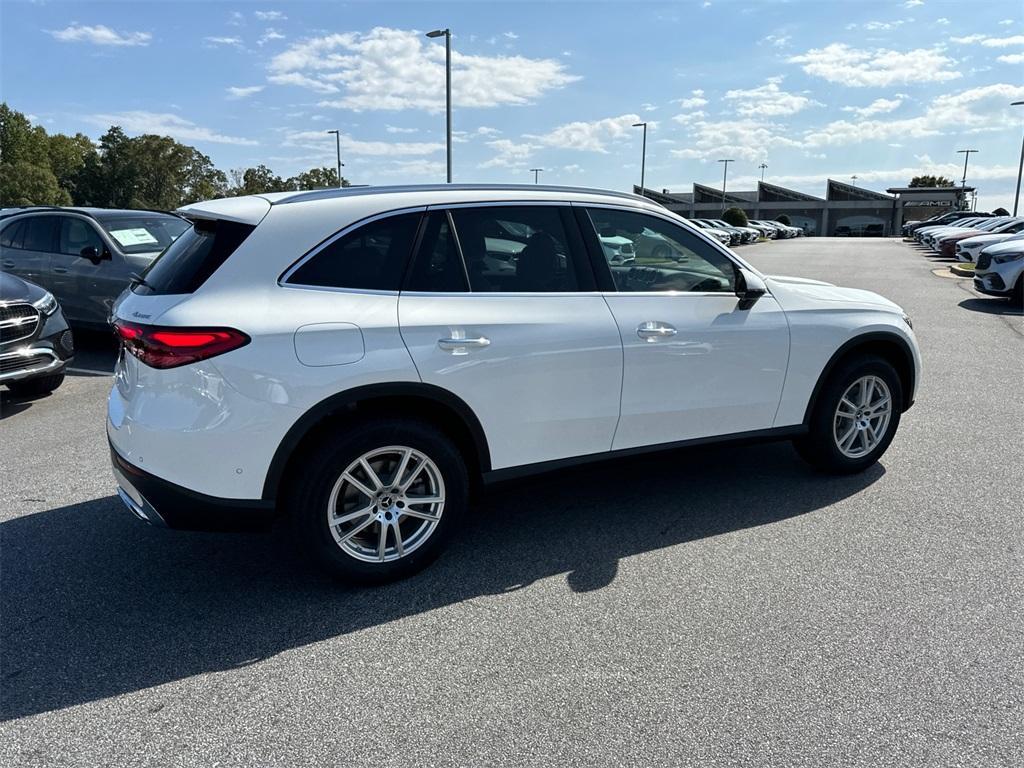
(511, 35)
(986, 108)
(270, 16)
(768, 100)
(778, 41)
(1011, 58)
(737, 139)
(880, 26)
(1005, 22)
(696, 100)
(510, 154)
(396, 129)
(99, 35)
(686, 118)
(913, 3)
(989, 42)
(351, 146)
(876, 107)
(839, 63)
(485, 130)
(943, 22)
(214, 40)
(590, 136)
(573, 168)
(165, 124)
(296, 78)
(241, 92)
(269, 34)
(397, 69)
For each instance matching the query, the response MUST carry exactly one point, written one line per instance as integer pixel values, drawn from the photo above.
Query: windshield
(149, 233)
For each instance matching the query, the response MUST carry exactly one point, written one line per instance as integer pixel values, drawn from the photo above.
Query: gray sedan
(85, 256)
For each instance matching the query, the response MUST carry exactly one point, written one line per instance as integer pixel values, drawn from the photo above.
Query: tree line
(120, 171)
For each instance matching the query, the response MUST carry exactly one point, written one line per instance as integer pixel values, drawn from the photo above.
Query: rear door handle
(9, 264)
(60, 270)
(451, 344)
(653, 330)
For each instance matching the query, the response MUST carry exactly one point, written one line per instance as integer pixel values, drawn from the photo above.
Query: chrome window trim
(283, 279)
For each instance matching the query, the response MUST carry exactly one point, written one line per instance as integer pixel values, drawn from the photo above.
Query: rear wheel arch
(888, 346)
(412, 400)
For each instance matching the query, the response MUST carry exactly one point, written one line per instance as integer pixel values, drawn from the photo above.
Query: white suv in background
(1000, 271)
(356, 360)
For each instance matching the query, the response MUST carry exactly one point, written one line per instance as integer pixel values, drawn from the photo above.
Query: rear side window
(437, 267)
(39, 233)
(371, 257)
(189, 261)
(12, 234)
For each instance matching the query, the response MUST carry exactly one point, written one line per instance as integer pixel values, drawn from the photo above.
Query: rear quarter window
(196, 254)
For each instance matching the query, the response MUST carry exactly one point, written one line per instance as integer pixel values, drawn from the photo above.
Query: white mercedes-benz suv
(358, 360)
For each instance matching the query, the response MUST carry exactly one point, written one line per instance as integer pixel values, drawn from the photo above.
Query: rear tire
(1018, 292)
(35, 387)
(848, 434)
(334, 484)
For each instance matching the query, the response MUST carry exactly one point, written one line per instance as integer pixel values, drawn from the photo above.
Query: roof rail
(327, 194)
(82, 211)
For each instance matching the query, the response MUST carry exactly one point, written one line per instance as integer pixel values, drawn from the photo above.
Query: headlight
(1003, 258)
(47, 305)
(906, 319)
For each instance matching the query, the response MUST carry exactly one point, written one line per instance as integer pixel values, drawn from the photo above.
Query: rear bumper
(167, 505)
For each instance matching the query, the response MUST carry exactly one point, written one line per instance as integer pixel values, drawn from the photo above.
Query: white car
(1000, 271)
(719, 234)
(969, 248)
(348, 359)
(617, 249)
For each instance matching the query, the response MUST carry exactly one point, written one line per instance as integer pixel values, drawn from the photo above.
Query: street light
(725, 174)
(1016, 195)
(963, 182)
(337, 144)
(536, 174)
(448, 87)
(762, 166)
(854, 179)
(643, 155)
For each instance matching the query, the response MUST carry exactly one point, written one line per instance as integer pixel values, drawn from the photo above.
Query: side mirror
(93, 254)
(749, 288)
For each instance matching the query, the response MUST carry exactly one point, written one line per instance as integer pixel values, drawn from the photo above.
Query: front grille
(17, 321)
(984, 261)
(23, 362)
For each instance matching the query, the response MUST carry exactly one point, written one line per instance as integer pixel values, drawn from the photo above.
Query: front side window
(371, 257)
(516, 249)
(666, 256)
(12, 235)
(76, 235)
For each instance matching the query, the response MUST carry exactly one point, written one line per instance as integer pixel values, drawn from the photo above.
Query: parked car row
(66, 266)
(754, 231)
(995, 244)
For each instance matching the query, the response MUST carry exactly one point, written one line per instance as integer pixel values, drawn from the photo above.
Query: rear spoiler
(243, 210)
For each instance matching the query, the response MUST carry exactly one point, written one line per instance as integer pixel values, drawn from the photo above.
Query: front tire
(855, 417)
(44, 385)
(380, 501)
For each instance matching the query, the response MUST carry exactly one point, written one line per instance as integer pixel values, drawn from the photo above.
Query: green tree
(316, 178)
(23, 183)
(930, 181)
(256, 181)
(68, 156)
(20, 141)
(1000, 212)
(784, 219)
(736, 217)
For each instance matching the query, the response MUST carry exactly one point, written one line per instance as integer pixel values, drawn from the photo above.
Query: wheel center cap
(386, 501)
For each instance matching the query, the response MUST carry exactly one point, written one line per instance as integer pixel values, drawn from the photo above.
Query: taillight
(164, 347)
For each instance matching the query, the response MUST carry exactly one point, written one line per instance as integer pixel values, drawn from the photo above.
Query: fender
(350, 399)
(866, 339)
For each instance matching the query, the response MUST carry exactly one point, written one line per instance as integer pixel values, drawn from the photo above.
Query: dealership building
(844, 210)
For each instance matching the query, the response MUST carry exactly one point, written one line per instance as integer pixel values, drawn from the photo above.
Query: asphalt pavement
(720, 606)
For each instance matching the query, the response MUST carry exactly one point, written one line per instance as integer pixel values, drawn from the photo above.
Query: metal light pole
(1020, 167)
(448, 87)
(536, 174)
(337, 144)
(643, 155)
(762, 166)
(963, 182)
(725, 175)
(854, 179)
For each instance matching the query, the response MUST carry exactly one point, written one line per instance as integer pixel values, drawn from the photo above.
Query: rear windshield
(195, 255)
(144, 234)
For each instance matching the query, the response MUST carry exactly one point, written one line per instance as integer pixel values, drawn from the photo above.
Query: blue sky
(878, 88)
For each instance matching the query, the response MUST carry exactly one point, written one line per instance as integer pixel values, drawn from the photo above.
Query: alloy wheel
(862, 417)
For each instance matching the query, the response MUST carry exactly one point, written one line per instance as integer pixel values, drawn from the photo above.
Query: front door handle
(60, 270)
(452, 344)
(653, 330)
(8, 264)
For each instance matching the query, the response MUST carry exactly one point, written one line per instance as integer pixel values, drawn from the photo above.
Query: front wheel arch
(889, 346)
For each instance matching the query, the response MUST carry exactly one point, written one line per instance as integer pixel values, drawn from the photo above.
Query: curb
(961, 271)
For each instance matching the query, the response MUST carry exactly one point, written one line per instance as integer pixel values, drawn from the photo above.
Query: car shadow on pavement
(96, 604)
(993, 306)
(11, 404)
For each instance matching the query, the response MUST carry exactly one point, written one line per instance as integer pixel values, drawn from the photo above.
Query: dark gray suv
(85, 256)
(35, 341)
